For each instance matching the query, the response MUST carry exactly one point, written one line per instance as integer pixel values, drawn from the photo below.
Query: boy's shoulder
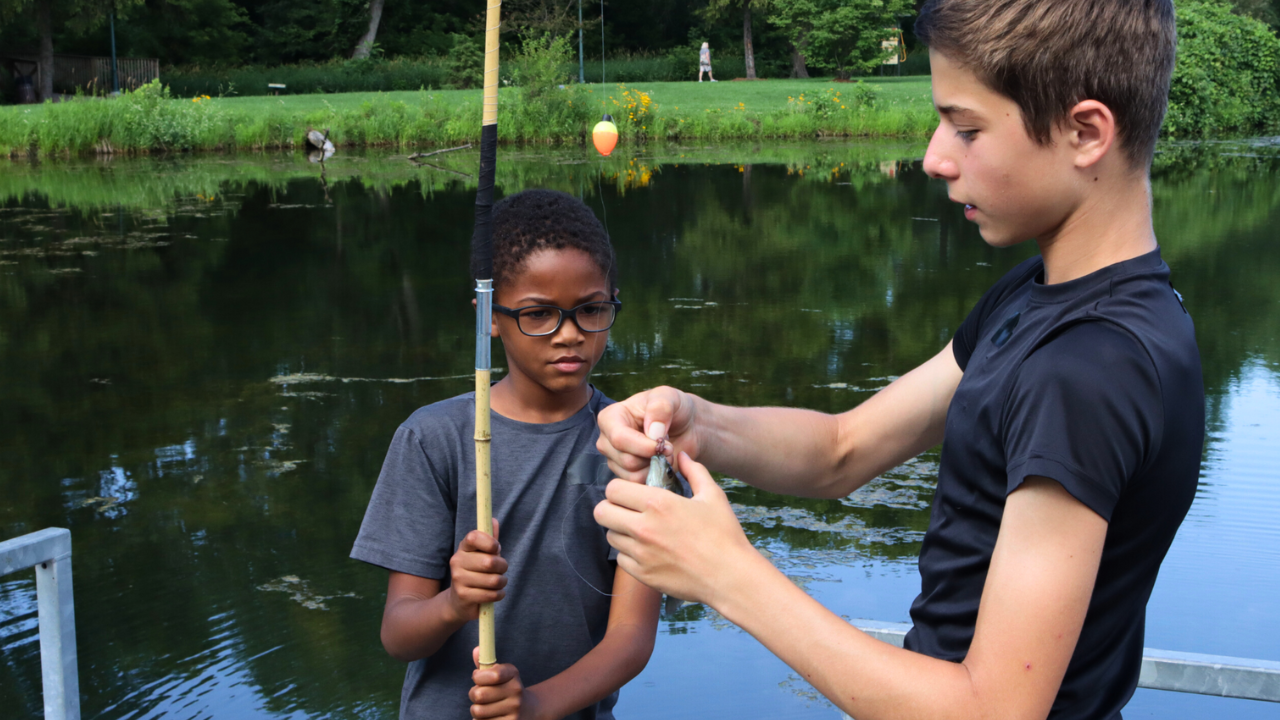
(443, 417)
(457, 415)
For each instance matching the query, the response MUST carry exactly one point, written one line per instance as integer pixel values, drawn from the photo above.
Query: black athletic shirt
(1094, 383)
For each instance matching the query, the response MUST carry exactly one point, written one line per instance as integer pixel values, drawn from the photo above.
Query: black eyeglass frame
(572, 313)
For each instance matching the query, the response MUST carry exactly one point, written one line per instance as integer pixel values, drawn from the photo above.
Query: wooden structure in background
(88, 73)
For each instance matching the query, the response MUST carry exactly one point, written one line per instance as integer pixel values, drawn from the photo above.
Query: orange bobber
(605, 135)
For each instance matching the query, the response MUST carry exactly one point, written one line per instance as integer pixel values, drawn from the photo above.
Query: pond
(204, 359)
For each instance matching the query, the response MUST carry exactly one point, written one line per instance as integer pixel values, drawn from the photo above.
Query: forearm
(867, 678)
(620, 656)
(783, 450)
(416, 627)
(807, 453)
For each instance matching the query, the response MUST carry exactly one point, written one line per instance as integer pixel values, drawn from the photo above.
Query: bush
(366, 75)
(466, 63)
(1227, 78)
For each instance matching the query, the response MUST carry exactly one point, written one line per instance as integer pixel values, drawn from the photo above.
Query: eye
(537, 314)
(966, 136)
(590, 310)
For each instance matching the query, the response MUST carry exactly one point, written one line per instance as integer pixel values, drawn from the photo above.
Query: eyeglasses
(540, 320)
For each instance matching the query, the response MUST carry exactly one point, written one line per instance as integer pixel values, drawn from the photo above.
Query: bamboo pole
(482, 240)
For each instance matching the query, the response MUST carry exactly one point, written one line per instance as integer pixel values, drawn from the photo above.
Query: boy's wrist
(454, 608)
(531, 706)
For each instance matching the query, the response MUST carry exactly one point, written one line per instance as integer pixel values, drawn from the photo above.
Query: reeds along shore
(150, 120)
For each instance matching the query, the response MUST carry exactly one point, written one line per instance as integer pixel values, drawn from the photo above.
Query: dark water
(202, 363)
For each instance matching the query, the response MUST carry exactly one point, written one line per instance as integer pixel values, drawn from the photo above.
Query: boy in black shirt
(1070, 400)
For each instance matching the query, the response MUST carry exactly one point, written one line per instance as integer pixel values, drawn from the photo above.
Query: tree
(80, 16)
(716, 8)
(1268, 11)
(795, 19)
(839, 35)
(365, 46)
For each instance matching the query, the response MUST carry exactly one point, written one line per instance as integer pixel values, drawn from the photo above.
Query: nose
(569, 332)
(937, 164)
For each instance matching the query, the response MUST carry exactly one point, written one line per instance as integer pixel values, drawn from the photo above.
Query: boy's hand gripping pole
(484, 491)
(482, 239)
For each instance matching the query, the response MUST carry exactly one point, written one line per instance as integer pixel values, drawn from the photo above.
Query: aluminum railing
(1216, 675)
(49, 552)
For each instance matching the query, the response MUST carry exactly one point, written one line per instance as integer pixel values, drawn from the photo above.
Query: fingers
(635, 497)
(498, 692)
(495, 675)
(477, 572)
(700, 480)
(621, 443)
(478, 542)
(659, 411)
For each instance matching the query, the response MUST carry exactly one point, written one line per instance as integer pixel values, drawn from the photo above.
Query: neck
(518, 398)
(1111, 225)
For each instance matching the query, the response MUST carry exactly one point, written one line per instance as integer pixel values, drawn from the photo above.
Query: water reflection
(204, 361)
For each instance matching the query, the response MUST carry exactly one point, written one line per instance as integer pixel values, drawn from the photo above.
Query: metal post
(49, 551)
(582, 77)
(115, 73)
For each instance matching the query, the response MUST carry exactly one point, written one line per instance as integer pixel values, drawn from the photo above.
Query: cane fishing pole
(482, 271)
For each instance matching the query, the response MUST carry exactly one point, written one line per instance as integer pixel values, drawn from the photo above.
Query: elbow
(394, 643)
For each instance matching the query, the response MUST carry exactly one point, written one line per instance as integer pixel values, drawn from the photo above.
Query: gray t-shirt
(547, 480)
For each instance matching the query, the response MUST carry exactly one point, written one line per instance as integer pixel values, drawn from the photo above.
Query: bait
(661, 474)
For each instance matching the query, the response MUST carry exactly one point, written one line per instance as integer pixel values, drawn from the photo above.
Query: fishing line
(564, 549)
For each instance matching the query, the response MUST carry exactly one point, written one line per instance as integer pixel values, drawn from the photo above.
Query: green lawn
(144, 121)
(760, 96)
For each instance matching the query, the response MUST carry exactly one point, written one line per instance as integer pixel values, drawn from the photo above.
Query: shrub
(466, 63)
(1227, 77)
(366, 75)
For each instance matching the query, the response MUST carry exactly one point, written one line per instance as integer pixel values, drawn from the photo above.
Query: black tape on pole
(482, 237)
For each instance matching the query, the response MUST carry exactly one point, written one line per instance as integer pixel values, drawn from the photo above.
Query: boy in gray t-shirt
(567, 645)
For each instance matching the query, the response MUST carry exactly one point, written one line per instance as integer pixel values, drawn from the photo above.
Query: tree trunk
(365, 46)
(798, 68)
(44, 23)
(746, 40)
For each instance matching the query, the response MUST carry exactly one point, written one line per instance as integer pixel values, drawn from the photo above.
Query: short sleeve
(1085, 410)
(409, 524)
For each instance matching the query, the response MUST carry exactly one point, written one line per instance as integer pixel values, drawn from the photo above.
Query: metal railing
(1216, 675)
(49, 552)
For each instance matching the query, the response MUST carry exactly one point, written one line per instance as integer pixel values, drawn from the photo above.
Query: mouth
(569, 363)
(970, 211)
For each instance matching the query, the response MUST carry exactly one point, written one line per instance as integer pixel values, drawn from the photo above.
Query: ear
(493, 321)
(1091, 128)
(615, 293)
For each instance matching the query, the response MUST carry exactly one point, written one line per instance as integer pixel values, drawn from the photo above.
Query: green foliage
(842, 36)
(677, 65)
(335, 76)
(541, 64)
(1227, 78)
(465, 62)
(150, 120)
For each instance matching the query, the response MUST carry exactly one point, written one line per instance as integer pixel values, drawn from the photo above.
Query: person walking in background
(704, 62)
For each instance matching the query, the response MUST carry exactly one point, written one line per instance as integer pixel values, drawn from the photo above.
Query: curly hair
(534, 220)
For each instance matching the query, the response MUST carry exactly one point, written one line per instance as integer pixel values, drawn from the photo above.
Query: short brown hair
(1048, 55)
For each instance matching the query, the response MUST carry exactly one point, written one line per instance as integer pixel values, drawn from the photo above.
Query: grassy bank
(149, 120)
